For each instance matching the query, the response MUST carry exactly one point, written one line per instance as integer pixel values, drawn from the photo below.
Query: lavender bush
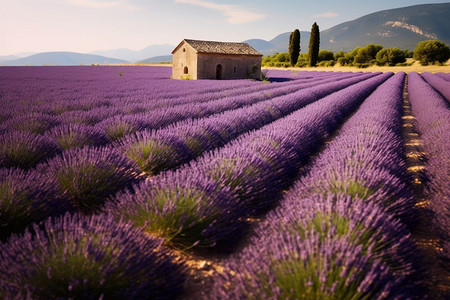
(285, 266)
(438, 83)
(75, 257)
(186, 210)
(25, 150)
(433, 123)
(88, 176)
(25, 198)
(76, 135)
(33, 123)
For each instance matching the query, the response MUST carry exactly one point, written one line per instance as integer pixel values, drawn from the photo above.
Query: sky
(32, 26)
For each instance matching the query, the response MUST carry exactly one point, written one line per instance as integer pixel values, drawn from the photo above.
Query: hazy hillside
(135, 56)
(63, 59)
(401, 27)
(156, 59)
(279, 43)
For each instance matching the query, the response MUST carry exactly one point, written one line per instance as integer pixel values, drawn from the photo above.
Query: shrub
(390, 57)
(326, 63)
(325, 55)
(431, 52)
(281, 57)
(25, 150)
(77, 135)
(187, 211)
(302, 60)
(33, 123)
(154, 153)
(88, 176)
(26, 198)
(119, 126)
(283, 266)
(76, 257)
(366, 56)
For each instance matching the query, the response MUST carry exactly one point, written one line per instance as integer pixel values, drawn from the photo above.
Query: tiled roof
(220, 47)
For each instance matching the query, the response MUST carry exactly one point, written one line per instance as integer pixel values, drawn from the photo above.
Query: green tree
(366, 56)
(338, 55)
(314, 45)
(431, 52)
(294, 46)
(325, 55)
(390, 57)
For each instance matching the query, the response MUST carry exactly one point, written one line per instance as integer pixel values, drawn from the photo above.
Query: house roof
(220, 47)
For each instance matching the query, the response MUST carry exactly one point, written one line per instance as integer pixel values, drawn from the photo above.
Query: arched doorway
(186, 70)
(219, 71)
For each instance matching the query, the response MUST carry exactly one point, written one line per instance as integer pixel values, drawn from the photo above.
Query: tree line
(427, 52)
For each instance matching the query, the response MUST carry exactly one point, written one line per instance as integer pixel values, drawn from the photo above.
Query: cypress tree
(294, 46)
(314, 42)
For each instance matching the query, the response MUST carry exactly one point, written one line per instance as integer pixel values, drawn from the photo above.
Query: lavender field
(120, 183)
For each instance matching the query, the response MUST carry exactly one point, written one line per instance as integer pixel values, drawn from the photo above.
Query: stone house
(194, 59)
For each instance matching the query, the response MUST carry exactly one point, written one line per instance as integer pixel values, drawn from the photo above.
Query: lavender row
(96, 257)
(330, 238)
(82, 179)
(445, 76)
(18, 151)
(367, 159)
(94, 109)
(78, 180)
(439, 84)
(160, 150)
(58, 94)
(208, 201)
(433, 123)
(110, 82)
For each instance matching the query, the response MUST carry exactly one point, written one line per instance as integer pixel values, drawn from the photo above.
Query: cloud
(100, 3)
(328, 14)
(236, 14)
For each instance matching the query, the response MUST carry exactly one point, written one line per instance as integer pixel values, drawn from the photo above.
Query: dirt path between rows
(437, 278)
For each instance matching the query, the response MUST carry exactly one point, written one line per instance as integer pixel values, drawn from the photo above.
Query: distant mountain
(400, 27)
(156, 59)
(135, 56)
(63, 59)
(279, 44)
(5, 58)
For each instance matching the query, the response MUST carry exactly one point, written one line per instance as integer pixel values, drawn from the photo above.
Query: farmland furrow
(426, 236)
(191, 138)
(440, 85)
(335, 227)
(432, 117)
(212, 197)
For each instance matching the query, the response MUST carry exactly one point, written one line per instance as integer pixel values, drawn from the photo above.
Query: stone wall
(218, 66)
(184, 57)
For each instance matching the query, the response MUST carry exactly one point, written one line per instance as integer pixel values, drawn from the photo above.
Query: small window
(184, 49)
(186, 70)
(234, 70)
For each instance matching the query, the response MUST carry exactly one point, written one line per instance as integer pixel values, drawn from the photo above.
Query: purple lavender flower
(285, 266)
(88, 176)
(77, 135)
(24, 149)
(154, 153)
(33, 123)
(121, 125)
(26, 198)
(186, 210)
(88, 258)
